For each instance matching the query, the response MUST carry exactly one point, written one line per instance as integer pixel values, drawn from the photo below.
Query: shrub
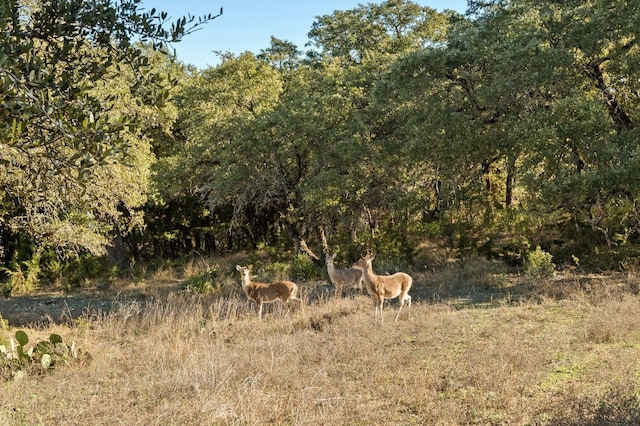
(304, 268)
(277, 271)
(23, 276)
(82, 270)
(205, 282)
(539, 263)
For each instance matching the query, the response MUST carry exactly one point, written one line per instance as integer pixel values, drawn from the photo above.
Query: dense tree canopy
(77, 85)
(510, 127)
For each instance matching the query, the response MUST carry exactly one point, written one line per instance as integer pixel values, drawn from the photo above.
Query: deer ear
(250, 267)
(239, 268)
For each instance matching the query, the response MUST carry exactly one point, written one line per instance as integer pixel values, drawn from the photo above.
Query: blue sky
(247, 25)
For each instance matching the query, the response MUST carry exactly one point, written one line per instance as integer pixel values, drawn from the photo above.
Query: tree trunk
(323, 239)
(510, 184)
(117, 252)
(620, 119)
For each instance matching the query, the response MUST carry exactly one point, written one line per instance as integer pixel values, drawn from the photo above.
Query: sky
(247, 25)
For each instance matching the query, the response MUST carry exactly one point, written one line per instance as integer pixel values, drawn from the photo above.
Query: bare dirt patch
(58, 306)
(52, 307)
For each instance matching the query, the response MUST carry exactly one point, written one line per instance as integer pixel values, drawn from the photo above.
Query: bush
(304, 268)
(539, 263)
(82, 270)
(205, 282)
(276, 271)
(23, 276)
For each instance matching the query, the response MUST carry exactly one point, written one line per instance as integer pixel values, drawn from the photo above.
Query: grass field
(477, 347)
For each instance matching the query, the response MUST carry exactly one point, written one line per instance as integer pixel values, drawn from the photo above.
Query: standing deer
(340, 277)
(266, 292)
(382, 287)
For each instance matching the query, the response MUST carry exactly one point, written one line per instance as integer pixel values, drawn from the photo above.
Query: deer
(266, 292)
(381, 287)
(341, 277)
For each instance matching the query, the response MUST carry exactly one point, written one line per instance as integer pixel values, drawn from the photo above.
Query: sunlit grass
(569, 356)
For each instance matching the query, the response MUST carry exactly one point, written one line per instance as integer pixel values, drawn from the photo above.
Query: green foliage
(277, 251)
(44, 269)
(24, 276)
(277, 270)
(205, 282)
(304, 268)
(80, 270)
(511, 127)
(376, 134)
(388, 27)
(539, 263)
(72, 152)
(16, 359)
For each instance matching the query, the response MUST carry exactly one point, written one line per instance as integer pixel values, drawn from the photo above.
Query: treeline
(494, 132)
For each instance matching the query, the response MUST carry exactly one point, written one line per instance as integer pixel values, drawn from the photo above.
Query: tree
(221, 106)
(282, 54)
(526, 113)
(371, 167)
(390, 27)
(59, 135)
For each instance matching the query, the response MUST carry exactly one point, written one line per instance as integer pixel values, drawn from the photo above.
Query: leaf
(55, 338)
(42, 347)
(22, 337)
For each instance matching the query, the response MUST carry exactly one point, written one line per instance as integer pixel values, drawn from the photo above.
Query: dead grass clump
(329, 309)
(594, 288)
(618, 404)
(614, 321)
(476, 279)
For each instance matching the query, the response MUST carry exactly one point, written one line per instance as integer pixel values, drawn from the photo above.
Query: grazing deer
(382, 287)
(266, 292)
(340, 277)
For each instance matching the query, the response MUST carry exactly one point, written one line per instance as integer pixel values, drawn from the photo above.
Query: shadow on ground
(64, 308)
(45, 309)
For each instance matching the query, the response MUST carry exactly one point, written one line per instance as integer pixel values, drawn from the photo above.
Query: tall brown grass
(567, 357)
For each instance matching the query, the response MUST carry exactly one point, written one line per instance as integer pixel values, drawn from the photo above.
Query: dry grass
(563, 357)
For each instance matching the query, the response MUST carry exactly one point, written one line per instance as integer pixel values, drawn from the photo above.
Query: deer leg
(399, 309)
(375, 308)
(402, 300)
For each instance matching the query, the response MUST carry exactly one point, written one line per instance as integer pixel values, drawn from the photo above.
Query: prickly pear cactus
(17, 360)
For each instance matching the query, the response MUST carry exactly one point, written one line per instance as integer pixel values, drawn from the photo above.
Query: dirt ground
(51, 308)
(63, 307)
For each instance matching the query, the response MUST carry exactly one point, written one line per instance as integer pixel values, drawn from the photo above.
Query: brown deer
(266, 292)
(382, 287)
(340, 277)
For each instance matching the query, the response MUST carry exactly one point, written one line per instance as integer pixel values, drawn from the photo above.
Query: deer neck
(367, 273)
(245, 282)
